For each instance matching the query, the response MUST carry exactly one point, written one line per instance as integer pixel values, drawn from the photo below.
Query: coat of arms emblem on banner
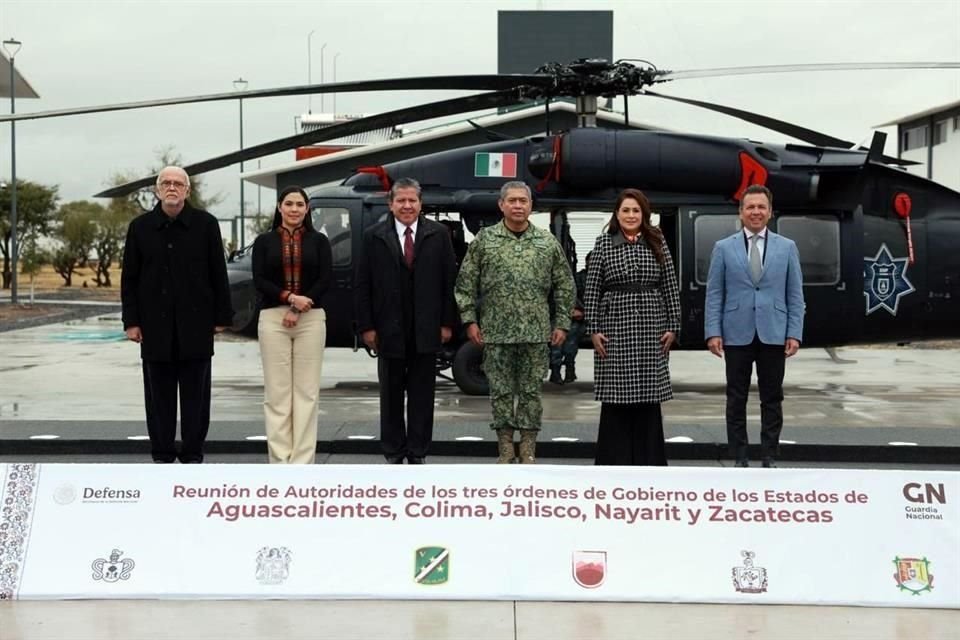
(589, 568)
(431, 565)
(112, 569)
(748, 578)
(913, 575)
(273, 565)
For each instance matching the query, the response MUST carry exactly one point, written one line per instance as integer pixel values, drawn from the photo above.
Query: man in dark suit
(175, 296)
(754, 314)
(405, 311)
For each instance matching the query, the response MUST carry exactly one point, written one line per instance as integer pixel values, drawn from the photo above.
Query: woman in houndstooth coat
(632, 306)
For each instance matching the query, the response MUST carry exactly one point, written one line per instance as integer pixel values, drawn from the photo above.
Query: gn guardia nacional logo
(913, 575)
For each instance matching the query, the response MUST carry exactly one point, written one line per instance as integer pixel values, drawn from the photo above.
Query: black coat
(174, 282)
(268, 278)
(385, 288)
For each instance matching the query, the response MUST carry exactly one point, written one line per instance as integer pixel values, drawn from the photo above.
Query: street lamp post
(240, 85)
(336, 55)
(321, 75)
(11, 47)
(310, 71)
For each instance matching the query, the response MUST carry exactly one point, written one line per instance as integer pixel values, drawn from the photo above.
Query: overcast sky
(82, 53)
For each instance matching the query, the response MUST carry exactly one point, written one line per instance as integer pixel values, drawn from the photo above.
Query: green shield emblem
(431, 565)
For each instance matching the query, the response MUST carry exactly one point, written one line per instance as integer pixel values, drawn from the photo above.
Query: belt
(630, 287)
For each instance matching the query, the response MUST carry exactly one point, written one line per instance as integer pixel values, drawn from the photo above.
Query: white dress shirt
(402, 230)
(761, 243)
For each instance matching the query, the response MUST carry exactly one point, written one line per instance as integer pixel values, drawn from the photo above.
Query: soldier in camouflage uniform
(507, 278)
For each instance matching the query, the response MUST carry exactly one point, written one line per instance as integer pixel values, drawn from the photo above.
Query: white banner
(680, 534)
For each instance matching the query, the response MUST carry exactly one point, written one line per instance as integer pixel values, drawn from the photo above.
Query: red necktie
(408, 247)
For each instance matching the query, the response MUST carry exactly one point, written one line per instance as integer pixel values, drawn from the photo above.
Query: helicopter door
(700, 228)
(823, 240)
(336, 219)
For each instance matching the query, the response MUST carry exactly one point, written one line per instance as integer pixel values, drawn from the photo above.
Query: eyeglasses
(176, 184)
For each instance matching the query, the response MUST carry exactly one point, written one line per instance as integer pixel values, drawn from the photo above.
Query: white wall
(946, 159)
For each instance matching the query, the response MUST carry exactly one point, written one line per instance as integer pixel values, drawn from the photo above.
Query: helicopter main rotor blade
(809, 136)
(400, 116)
(547, 81)
(663, 76)
(794, 131)
(493, 82)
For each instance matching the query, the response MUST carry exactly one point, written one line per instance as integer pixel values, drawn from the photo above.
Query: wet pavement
(79, 384)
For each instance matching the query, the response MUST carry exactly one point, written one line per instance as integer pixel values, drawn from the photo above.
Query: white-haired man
(175, 296)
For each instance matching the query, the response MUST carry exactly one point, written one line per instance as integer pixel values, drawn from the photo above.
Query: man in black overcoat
(175, 296)
(405, 311)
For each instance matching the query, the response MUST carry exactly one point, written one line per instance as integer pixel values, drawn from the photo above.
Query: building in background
(527, 40)
(931, 137)
(314, 121)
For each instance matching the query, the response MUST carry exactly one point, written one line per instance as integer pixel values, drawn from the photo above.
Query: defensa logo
(923, 499)
(65, 494)
(913, 575)
(109, 494)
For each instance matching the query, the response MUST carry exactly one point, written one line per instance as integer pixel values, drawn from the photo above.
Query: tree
(65, 263)
(36, 205)
(262, 223)
(32, 259)
(77, 233)
(108, 242)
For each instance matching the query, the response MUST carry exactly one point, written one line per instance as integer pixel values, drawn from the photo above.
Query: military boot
(505, 446)
(555, 377)
(571, 374)
(528, 446)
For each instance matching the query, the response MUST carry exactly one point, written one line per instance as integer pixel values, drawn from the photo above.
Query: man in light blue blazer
(754, 314)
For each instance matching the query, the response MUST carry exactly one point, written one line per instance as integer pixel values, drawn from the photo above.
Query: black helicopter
(876, 243)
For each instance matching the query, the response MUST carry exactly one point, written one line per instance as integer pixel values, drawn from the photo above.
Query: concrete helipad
(75, 388)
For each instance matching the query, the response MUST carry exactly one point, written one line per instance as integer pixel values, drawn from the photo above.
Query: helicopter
(875, 242)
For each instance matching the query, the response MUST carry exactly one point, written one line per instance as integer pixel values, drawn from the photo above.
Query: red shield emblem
(589, 568)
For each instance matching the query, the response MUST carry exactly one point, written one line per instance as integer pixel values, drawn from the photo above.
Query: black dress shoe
(416, 460)
(768, 463)
(394, 459)
(743, 462)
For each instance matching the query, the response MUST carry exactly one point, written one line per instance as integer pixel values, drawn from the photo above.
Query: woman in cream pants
(291, 271)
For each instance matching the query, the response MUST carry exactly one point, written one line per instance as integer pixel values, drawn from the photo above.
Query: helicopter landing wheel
(468, 370)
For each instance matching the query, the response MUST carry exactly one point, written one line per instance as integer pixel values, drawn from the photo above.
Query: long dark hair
(278, 219)
(650, 234)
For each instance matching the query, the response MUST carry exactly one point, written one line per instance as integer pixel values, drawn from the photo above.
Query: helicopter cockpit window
(818, 241)
(335, 223)
(707, 229)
